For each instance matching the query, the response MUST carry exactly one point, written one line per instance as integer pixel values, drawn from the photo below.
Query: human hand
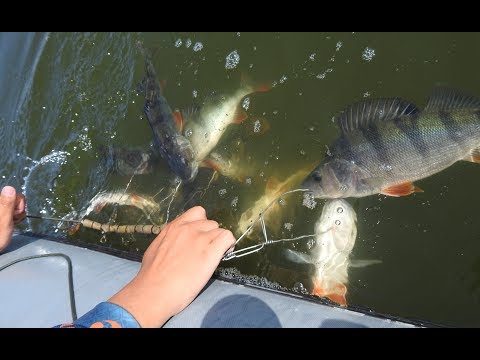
(175, 268)
(12, 211)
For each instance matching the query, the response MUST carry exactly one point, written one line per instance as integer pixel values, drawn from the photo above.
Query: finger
(19, 204)
(192, 214)
(7, 204)
(223, 240)
(203, 225)
(19, 217)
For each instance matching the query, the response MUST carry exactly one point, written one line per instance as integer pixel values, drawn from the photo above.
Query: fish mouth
(188, 164)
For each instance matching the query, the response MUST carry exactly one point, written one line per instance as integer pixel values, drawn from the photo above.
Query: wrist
(148, 309)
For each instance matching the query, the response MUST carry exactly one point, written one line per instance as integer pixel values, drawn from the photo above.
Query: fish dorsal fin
(365, 113)
(444, 98)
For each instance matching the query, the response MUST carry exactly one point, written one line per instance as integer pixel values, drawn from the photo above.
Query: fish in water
(232, 162)
(175, 148)
(335, 235)
(387, 144)
(130, 161)
(273, 189)
(205, 126)
(144, 203)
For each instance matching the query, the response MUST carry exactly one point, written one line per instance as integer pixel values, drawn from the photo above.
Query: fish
(273, 189)
(205, 125)
(175, 148)
(232, 162)
(335, 235)
(387, 144)
(144, 203)
(129, 161)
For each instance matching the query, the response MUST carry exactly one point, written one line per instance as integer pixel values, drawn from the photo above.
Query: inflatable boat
(45, 281)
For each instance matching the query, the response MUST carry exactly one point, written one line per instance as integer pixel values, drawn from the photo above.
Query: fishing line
(255, 248)
(73, 307)
(155, 229)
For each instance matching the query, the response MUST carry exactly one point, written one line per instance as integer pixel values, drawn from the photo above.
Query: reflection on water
(70, 95)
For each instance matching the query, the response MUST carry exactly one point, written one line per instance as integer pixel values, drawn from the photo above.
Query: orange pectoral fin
(99, 207)
(240, 116)
(211, 164)
(402, 189)
(177, 117)
(474, 156)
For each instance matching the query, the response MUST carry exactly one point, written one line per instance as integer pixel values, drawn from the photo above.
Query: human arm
(175, 268)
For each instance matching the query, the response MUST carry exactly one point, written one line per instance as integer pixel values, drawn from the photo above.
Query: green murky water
(66, 94)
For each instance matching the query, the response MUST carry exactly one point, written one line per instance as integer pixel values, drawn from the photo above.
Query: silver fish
(335, 235)
(205, 126)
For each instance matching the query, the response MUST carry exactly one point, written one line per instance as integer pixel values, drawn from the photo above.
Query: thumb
(7, 205)
(7, 200)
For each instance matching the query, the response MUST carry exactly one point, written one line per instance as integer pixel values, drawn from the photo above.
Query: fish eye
(317, 176)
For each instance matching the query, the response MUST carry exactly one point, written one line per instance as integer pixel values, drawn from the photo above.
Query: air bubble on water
(309, 200)
(338, 46)
(178, 42)
(248, 181)
(198, 46)
(246, 103)
(366, 94)
(222, 192)
(288, 226)
(194, 93)
(188, 42)
(281, 202)
(299, 288)
(312, 57)
(344, 187)
(232, 60)
(302, 152)
(339, 210)
(256, 126)
(310, 243)
(234, 201)
(283, 79)
(188, 132)
(337, 222)
(368, 54)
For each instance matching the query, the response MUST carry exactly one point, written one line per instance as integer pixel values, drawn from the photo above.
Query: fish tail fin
(247, 83)
(337, 294)
(74, 229)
